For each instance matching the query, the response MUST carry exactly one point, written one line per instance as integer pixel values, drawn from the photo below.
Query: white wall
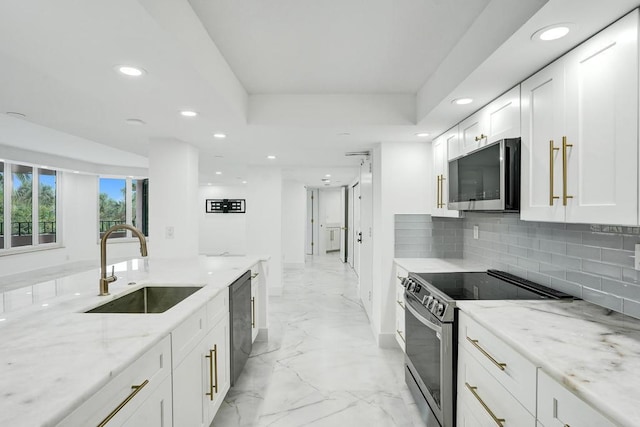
(220, 233)
(264, 220)
(173, 199)
(294, 214)
(402, 177)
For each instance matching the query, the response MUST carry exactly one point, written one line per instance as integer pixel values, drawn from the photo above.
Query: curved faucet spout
(104, 280)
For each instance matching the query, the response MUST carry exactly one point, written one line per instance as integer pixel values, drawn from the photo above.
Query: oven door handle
(424, 320)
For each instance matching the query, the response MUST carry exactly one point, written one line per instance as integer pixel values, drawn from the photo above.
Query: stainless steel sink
(150, 299)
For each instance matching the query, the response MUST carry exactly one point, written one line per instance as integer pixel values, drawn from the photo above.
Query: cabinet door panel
(470, 129)
(602, 125)
(502, 117)
(542, 121)
(156, 410)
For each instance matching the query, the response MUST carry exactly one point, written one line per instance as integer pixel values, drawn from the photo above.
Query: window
(123, 201)
(30, 217)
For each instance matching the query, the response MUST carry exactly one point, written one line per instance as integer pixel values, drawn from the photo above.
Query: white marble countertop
(592, 351)
(438, 265)
(54, 356)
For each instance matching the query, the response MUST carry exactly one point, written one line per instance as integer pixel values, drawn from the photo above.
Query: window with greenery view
(123, 201)
(28, 189)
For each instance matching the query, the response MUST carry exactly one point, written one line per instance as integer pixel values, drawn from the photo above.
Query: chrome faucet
(104, 280)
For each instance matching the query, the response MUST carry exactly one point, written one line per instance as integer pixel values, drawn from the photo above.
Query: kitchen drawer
(400, 328)
(516, 373)
(217, 307)
(189, 333)
(147, 373)
(486, 398)
(557, 406)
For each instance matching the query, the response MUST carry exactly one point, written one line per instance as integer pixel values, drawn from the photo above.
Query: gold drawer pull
(499, 421)
(136, 389)
(213, 371)
(254, 275)
(253, 312)
(564, 171)
(481, 137)
(400, 304)
(400, 333)
(500, 366)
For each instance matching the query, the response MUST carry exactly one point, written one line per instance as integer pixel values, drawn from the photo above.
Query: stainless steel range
(431, 331)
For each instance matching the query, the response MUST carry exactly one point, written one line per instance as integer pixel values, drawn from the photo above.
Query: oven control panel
(427, 298)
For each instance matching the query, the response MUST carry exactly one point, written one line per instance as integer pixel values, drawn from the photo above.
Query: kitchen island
(54, 356)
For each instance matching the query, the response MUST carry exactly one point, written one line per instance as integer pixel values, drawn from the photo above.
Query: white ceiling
(304, 80)
(335, 46)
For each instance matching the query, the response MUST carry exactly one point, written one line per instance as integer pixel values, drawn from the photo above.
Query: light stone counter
(438, 265)
(54, 356)
(592, 351)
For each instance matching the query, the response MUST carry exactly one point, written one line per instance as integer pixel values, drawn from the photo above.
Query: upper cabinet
(498, 120)
(441, 147)
(580, 132)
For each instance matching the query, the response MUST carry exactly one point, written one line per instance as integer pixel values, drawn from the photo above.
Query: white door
(309, 233)
(602, 125)
(441, 174)
(343, 224)
(366, 226)
(350, 227)
(355, 236)
(542, 129)
(502, 117)
(471, 133)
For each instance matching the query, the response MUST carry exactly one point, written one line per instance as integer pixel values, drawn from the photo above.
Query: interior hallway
(321, 366)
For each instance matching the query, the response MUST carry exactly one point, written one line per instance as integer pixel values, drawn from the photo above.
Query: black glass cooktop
(491, 285)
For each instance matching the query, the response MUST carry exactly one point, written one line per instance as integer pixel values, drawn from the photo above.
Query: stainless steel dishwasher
(240, 324)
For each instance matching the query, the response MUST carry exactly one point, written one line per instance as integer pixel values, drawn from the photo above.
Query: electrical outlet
(168, 232)
(476, 232)
(637, 257)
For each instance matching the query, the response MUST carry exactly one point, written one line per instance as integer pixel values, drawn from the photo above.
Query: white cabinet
(558, 407)
(497, 120)
(494, 381)
(256, 300)
(201, 379)
(441, 171)
(580, 132)
(140, 395)
(333, 238)
(400, 274)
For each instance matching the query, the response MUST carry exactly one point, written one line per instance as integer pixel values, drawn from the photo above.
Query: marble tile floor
(321, 366)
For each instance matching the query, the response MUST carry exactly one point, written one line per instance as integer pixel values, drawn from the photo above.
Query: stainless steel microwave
(487, 179)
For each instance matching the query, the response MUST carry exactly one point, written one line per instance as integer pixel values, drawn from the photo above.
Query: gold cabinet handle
(399, 332)
(481, 137)
(500, 366)
(442, 178)
(400, 303)
(551, 150)
(564, 171)
(136, 389)
(253, 312)
(499, 421)
(438, 193)
(213, 372)
(254, 275)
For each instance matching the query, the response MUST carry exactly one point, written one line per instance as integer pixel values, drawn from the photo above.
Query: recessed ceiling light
(462, 101)
(218, 173)
(77, 294)
(220, 135)
(552, 32)
(45, 305)
(2, 320)
(208, 183)
(130, 71)
(328, 175)
(135, 122)
(344, 134)
(422, 134)
(188, 113)
(270, 157)
(16, 114)
(244, 182)
(76, 171)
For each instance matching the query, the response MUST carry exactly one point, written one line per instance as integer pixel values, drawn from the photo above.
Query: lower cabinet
(557, 406)
(499, 386)
(401, 273)
(138, 396)
(202, 378)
